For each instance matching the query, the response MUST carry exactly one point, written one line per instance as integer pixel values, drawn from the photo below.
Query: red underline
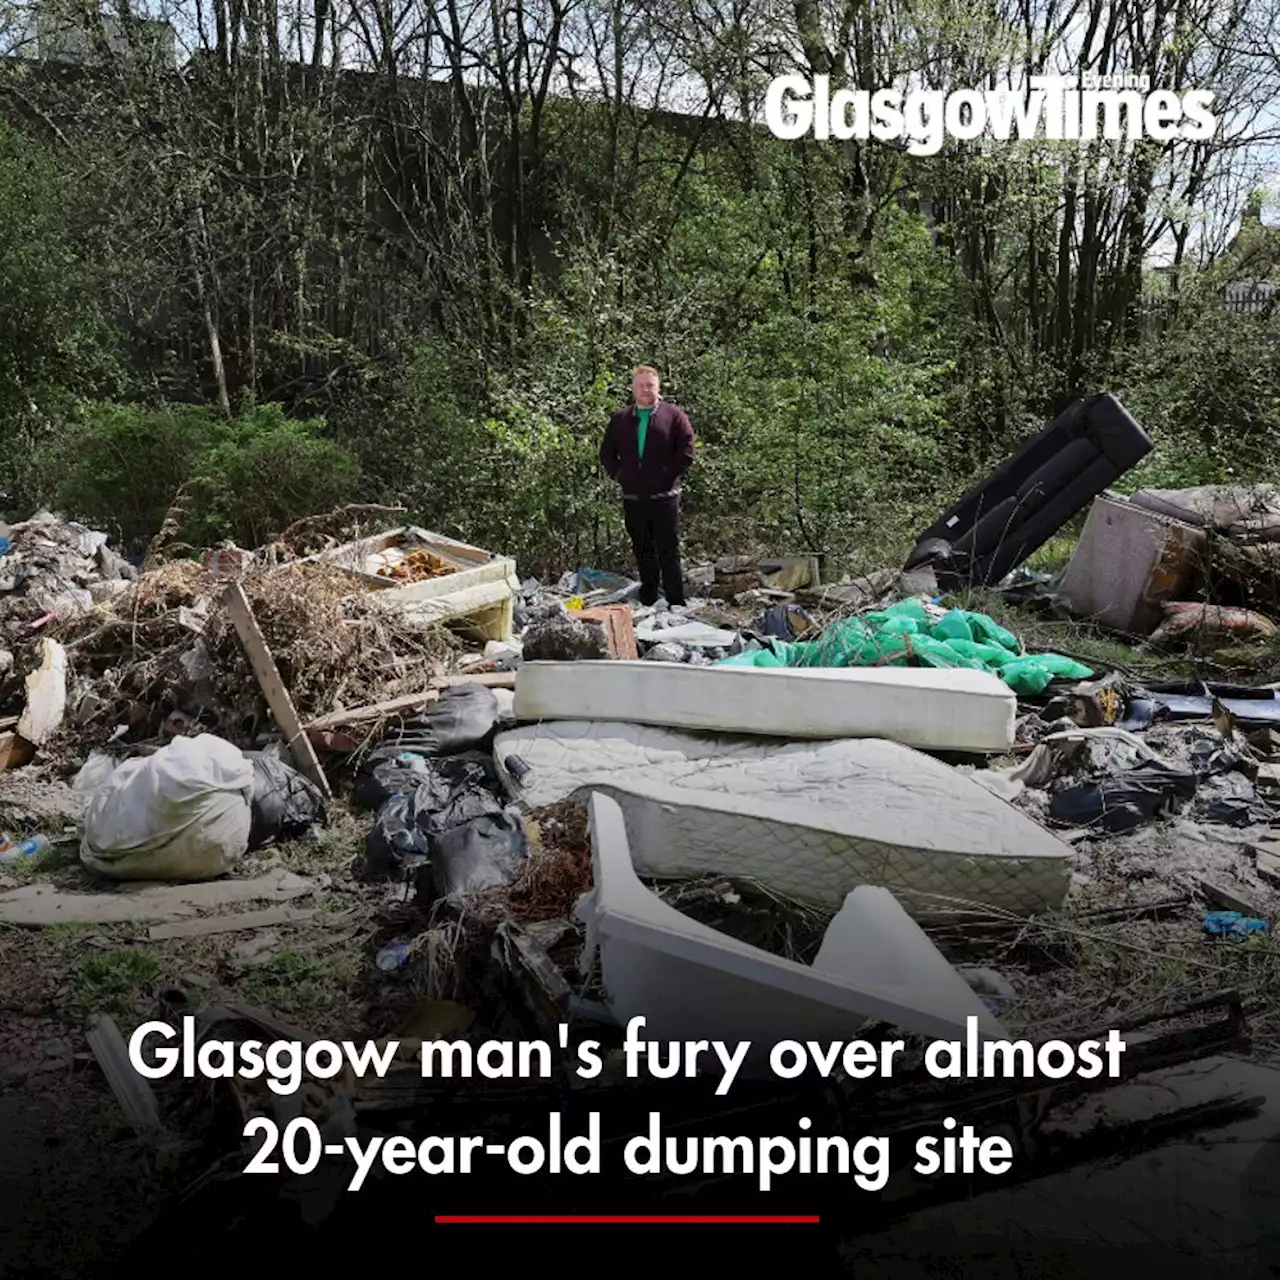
(615, 1218)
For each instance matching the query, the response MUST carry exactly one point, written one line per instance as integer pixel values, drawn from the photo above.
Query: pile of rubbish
(703, 814)
(439, 806)
(123, 656)
(191, 811)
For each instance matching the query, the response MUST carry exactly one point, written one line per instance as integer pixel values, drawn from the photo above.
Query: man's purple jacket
(668, 451)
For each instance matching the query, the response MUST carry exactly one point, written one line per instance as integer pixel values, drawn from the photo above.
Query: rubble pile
(574, 808)
(51, 572)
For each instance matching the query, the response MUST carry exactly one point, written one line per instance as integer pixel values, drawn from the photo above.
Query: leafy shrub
(120, 467)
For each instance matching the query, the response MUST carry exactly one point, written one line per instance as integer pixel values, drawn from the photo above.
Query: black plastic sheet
(1125, 802)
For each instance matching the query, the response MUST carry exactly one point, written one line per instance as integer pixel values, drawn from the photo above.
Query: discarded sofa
(810, 820)
(1000, 522)
(692, 982)
(933, 709)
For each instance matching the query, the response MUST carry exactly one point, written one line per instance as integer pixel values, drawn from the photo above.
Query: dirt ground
(66, 1147)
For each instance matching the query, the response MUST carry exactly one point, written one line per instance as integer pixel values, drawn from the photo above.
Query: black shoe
(648, 601)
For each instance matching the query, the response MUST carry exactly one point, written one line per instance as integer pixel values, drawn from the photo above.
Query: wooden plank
(1226, 900)
(545, 991)
(277, 696)
(38, 904)
(408, 701)
(15, 751)
(135, 1096)
(242, 920)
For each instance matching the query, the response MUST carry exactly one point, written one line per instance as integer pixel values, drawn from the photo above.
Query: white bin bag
(181, 814)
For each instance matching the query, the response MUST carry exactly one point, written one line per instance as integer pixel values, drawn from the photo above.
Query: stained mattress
(811, 820)
(935, 710)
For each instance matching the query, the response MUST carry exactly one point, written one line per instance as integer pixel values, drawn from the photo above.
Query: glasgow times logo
(1065, 108)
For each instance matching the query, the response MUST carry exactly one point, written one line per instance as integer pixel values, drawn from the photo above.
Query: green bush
(120, 467)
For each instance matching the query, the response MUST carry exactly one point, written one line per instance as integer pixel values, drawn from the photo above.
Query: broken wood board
(277, 696)
(536, 975)
(1268, 779)
(1225, 899)
(1267, 865)
(1266, 854)
(37, 905)
(230, 924)
(266, 1021)
(46, 696)
(408, 701)
(14, 751)
(135, 1096)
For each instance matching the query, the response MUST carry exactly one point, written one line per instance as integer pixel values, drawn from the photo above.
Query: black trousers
(653, 525)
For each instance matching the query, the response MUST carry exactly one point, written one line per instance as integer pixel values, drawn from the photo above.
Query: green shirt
(643, 415)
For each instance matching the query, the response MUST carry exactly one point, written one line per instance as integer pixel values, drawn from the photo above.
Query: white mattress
(811, 820)
(936, 710)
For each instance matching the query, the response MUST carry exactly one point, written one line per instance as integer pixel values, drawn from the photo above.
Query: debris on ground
(326, 745)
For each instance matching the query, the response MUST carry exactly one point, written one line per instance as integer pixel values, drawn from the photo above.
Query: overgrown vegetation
(328, 261)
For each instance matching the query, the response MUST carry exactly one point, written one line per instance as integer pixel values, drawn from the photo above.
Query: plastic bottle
(13, 850)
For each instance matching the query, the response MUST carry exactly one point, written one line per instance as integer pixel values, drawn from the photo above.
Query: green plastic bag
(837, 646)
(755, 658)
(988, 631)
(937, 653)
(954, 626)
(990, 655)
(912, 608)
(900, 627)
(1026, 676)
(1063, 668)
(881, 649)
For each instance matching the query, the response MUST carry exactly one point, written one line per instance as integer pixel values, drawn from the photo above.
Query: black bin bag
(285, 804)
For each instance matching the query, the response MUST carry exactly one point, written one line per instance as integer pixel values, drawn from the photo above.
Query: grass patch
(289, 979)
(111, 980)
(1056, 553)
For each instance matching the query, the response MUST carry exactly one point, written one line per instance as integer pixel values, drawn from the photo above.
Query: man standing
(646, 449)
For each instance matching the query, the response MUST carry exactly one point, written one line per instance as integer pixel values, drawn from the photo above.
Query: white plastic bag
(182, 814)
(96, 770)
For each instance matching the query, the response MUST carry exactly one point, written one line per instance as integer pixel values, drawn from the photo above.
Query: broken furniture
(1248, 512)
(999, 523)
(692, 982)
(433, 579)
(809, 820)
(932, 709)
(1129, 563)
(1242, 527)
